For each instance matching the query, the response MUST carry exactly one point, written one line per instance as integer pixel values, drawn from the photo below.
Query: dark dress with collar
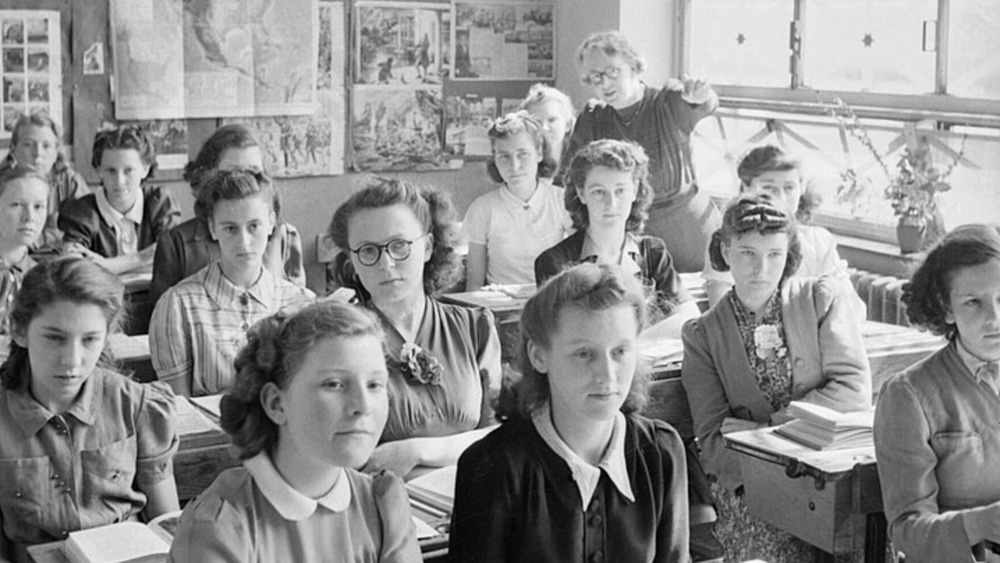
(515, 500)
(81, 221)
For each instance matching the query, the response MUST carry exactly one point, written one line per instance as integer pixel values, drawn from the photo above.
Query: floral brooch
(768, 342)
(418, 364)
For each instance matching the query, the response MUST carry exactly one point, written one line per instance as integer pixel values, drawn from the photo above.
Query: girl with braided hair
(308, 406)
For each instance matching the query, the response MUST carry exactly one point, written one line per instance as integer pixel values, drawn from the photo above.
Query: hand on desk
(400, 457)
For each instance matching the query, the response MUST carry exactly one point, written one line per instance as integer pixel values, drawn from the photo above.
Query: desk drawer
(826, 518)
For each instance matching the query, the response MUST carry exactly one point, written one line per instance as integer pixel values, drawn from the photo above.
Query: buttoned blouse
(938, 447)
(515, 231)
(200, 324)
(250, 514)
(82, 469)
(125, 225)
(83, 223)
(465, 342)
(11, 276)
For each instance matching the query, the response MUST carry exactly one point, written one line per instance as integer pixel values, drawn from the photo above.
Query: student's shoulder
(654, 437)
(504, 445)
(82, 207)
(229, 496)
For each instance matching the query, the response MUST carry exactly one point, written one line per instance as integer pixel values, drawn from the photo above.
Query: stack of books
(125, 542)
(823, 428)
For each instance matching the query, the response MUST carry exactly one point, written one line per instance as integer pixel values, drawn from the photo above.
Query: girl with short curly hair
(308, 406)
(444, 360)
(608, 196)
(936, 431)
(510, 226)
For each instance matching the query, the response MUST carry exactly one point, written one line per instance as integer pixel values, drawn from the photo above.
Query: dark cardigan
(515, 500)
(81, 221)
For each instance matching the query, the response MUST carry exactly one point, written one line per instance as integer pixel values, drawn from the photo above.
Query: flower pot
(910, 233)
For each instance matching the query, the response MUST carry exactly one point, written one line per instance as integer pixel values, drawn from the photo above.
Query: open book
(125, 542)
(823, 428)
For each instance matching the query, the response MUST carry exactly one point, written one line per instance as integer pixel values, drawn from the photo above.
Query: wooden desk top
(763, 443)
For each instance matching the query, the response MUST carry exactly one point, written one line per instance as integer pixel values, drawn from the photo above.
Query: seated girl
(936, 433)
(200, 324)
(574, 474)
(773, 339)
(118, 225)
(770, 172)
(510, 226)
(309, 403)
(553, 110)
(189, 247)
(607, 195)
(36, 146)
(81, 446)
(24, 194)
(444, 360)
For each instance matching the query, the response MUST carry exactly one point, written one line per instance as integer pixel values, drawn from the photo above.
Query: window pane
(741, 41)
(869, 45)
(973, 43)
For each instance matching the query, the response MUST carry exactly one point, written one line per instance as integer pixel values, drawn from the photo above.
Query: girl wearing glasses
(772, 339)
(444, 360)
(189, 247)
(118, 225)
(607, 196)
(199, 324)
(661, 120)
(510, 226)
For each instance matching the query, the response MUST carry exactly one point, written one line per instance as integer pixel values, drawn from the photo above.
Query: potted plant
(912, 191)
(913, 184)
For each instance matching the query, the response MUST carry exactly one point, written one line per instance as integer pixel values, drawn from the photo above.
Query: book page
(189, 419)
(209, 403)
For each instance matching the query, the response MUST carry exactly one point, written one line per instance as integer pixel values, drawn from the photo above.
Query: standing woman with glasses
(444, 360)
(200, 324)
(661, 120)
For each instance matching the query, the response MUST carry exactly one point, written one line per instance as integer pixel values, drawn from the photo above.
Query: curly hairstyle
(222, 185)
(69, 278)
(275, 350)
(540, 94)
(927, 293)
(772, 158)
(227, 137)
(125, 137)
(36, 119)
(433, 210)
(512, 124)
(611, 43)
(753, 214)
(624, 156)
(587, 287)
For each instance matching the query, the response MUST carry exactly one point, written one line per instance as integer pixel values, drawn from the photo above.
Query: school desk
(831, 499)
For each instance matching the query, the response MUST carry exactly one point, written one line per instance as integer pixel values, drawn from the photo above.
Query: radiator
(882, 295)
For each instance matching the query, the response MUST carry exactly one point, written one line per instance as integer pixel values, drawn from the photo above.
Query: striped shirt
(200, 324)
(10, 283)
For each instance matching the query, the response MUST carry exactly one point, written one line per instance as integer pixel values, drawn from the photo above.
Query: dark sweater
(81, 221)
(515, 500)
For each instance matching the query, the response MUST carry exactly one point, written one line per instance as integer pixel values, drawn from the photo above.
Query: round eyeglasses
(597, 77)
(398, 249)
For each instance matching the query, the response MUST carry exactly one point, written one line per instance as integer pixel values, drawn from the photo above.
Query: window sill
(874, 256)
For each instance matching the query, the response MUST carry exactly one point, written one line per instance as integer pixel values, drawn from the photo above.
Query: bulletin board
(463, 106)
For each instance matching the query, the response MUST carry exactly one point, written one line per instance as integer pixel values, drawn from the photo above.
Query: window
(917, 72)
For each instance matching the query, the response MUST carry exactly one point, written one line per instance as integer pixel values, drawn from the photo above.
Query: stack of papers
(125, 542)
(661, 352)
(434, 492)
(822, 428)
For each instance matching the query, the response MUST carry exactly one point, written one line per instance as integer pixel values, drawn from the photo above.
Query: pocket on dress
(24, 488)
(108, 473)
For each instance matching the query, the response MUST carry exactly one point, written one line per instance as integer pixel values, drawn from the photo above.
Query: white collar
(584, 474)
(112, 216)
(970, 360)
(290, 503)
